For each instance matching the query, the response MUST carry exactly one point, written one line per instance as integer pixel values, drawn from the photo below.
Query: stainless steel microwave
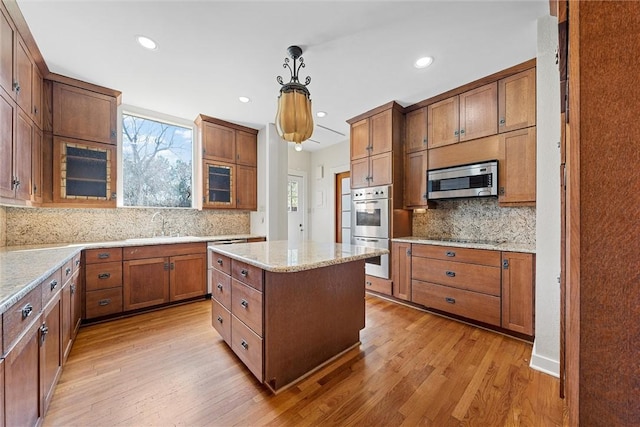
(477, 180)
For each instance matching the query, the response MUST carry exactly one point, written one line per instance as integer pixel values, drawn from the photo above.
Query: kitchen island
(286, 309)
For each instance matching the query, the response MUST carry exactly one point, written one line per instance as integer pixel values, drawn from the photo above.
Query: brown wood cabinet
(416, 165)
(51, 349)
(158, 274)
(401, 270)
(470, 115)
(84, 114)
(230, 157)
(376, 150)
(22, 156)
(517, 167)
(103, 282)
(24, 77)
(379, 285)
(416, 130)
(517, 101)
(7, 125)
(36, 166)
(518, 272)
(8, 36)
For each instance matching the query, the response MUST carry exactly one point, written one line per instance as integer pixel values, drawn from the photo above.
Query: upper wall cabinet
(8, 37)
(472, 114)
(230, 160)
(416, 131)
(376, 148)
(79, 160)
(517, 101)
(84, 114)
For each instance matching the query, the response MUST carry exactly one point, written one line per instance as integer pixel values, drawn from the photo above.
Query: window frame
(196, 170)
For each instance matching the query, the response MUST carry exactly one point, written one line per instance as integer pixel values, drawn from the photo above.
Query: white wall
(333, 159)
(546, 348)
(271, 218)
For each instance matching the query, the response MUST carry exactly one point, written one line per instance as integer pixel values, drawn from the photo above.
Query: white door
(295, 208)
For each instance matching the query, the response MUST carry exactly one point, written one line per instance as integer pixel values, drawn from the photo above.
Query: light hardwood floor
(171, 368)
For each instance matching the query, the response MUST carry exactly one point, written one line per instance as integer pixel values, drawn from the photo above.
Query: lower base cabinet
(378, 284)
(51, 348)
(22, 385)
(518, 281)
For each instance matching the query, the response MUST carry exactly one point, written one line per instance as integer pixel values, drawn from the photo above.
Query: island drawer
(164, 250)
(103, 302)
(19, 316)
(103, 276)
(473, 305)
(474, 277)
(468, 255)
(220, 262)
(92, 256)
(246, 305)
(220, 287)
(248, 346)
(221, 320)
(51, 286)
(246, 273)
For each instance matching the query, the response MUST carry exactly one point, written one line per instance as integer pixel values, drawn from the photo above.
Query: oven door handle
(366, 240)
(364, 203)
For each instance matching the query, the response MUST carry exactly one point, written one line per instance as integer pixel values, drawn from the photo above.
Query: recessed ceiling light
(244, 99)
(423, 62)
(147, 43)
(321, 113)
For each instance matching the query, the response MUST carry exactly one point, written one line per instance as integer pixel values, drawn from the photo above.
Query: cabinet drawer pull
(244, 303)
(244, 272)
(219, 286)
(104, 275)
(67, 271)
(220, 319)
(104, 302)
(367, 283)
(53, 284)
(451, 273)
(77, 262)
(450, 300)
(103, 255)
(219, 261)
(26, 311)
(245, 345)
(451, 253)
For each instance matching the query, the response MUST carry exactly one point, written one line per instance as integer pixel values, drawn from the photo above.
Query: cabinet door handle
(173, 265)
(26, 311)
(104, 275)
(502, 121)
(44, 330)
(72, 289)
(113, 134)
(450, 300)
(450, 273)
(103, 255)
(16, 87)
(67, 271)
(220, 319)
(455, 132)
(451, 253)
(244, 272)
(219, 261)
(166, 266)
(53, 284)
(244, 303)
(245, 345)
(219, 287)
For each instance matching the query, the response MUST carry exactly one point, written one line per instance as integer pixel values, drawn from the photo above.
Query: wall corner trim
(544, 363)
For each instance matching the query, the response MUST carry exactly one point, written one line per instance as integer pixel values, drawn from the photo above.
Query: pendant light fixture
(294, 120)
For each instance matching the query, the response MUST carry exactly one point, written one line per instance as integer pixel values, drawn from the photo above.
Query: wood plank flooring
(170, 367)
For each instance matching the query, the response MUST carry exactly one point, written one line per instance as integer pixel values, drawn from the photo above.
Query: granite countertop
(22, 268)
(473, 244)
(283, 256)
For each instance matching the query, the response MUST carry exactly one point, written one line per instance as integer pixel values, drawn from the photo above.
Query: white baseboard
(544, 364)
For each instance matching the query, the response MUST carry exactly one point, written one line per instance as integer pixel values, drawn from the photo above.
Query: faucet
(153, 218)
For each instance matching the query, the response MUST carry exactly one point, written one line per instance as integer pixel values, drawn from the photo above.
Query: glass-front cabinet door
(219, 185)
(84, 172)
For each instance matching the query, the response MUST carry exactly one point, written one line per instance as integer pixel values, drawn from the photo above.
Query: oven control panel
(371, 193)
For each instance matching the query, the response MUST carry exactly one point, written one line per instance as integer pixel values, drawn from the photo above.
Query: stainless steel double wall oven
(371, 225)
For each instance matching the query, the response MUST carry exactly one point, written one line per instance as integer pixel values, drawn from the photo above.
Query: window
(292, 196)
(156, 163)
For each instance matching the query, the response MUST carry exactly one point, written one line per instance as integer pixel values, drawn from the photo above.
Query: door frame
(337, 208)
(305, 200)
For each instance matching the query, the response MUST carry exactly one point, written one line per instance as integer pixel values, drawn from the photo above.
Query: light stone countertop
(282, 256)
(22, 268)
(494, 246)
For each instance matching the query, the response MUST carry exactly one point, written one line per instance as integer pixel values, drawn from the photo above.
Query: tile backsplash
(477, 219)
(28, 226)
(3, 226)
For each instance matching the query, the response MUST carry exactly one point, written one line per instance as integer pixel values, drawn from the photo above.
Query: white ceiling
(359, 54)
